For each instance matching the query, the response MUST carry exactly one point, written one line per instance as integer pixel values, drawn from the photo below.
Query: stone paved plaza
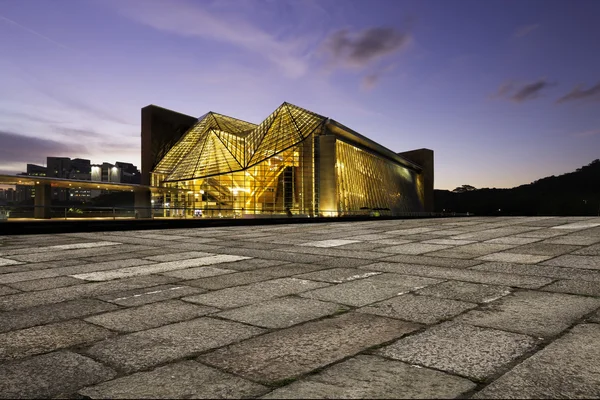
(443, 308)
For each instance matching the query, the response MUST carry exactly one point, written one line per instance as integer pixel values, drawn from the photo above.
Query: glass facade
(365, 181)
(289, 163)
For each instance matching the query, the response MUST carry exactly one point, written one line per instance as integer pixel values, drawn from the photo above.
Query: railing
(16, 212)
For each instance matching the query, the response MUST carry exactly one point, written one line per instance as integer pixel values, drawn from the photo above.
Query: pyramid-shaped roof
(219, 144)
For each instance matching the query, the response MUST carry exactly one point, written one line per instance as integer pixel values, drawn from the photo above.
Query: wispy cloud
(578, 93)
(530, 91)
(521, 92)
(193, 20)
(73, 102)
(525, 30)
(589, 133)
(371, 80)
(359, 49)
(31, 31)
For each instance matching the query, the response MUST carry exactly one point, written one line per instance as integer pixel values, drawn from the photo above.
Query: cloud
(18, 115)
(525, 30)
(592, 132)
(61, 96)
(26, 149)
(522, 92)
(530, 91)
(46, 38)
(578, 93)
(188, 19)
(372, 79)
(369, 81)
(358, 49)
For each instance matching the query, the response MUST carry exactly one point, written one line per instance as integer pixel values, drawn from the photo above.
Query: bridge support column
(143, 205)
(43, 200)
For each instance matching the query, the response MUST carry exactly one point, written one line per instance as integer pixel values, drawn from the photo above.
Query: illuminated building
(295, 161)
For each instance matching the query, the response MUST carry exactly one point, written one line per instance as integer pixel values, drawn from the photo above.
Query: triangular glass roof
(219, 144)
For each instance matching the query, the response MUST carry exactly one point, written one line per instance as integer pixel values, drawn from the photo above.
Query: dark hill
(574, 193)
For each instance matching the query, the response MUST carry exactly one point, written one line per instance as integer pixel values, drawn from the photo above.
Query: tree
(464, 188)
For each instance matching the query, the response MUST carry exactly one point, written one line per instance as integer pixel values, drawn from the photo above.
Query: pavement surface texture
(475, 307)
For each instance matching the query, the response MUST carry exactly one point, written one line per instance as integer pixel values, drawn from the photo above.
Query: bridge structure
(43, 191)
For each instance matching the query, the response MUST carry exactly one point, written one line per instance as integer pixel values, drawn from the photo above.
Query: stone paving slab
(514, 258)
(421, 309)
(466, 291)
(45, 283)
(338, 275)
(295, 351)
(588, 251)
(69, 270)
(574, 287)
(59, 247)
(7, 269)
(545, 249)
(138, 297)
(50, 375)
(156, 268)
(566, 368)
(45, 338)
(361, 292)
(533, 313)
(467, 275)
(433, 261)
(150, 316)
(50, 313)
(540, 270)
(32, 299)
(254, 293)
(252, 264)
(89, 252)
(282, 312)
(470, 351)
(140, 350)
(6, 290)
(286, 320)
(224, 281)
(575, 261)
(370, 377)
(186, 379)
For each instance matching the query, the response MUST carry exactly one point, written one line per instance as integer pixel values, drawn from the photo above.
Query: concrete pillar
(42, 202)
(143, 205)
(424, 158)
(328, 201)
(307, 181)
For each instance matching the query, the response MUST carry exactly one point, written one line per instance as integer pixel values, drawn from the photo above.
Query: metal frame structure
(294, 162)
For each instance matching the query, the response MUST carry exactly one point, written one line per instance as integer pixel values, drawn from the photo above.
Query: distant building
(81, 169)
(25, 192)
(129, 173)
(78, 169)
(7, 195)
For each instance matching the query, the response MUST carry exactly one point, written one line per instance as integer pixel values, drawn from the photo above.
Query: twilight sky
(504, 92)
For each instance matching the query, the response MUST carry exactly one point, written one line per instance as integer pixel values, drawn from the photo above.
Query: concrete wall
(161, 129)
(423, 157)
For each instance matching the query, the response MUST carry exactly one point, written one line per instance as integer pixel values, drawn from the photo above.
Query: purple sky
(504, 92)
